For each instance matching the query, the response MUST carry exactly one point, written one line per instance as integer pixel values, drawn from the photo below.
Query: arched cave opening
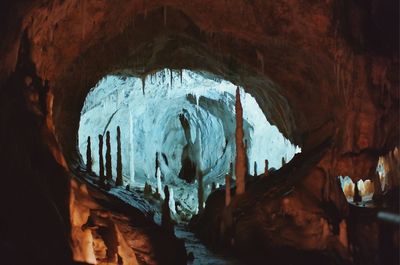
(174, 126)
(324, 73)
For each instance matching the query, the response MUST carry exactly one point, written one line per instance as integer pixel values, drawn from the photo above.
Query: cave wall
(294, 57)
(319, 69)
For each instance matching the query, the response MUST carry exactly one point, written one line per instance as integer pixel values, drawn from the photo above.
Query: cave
(200, 132)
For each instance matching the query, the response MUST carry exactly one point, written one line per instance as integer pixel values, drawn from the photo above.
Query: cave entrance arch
(173, 125)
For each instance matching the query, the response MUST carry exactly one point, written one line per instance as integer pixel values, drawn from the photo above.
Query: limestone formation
(101, 161)
(247, 158)
(89, 161)
(147, 189)
(159, 184)
(255, 169)
(131, 145)
(325, 74)
(266, 168)
(357, 197)
(200, 190)
(108, 157)
(166, 221)
(157, 165)
(240, 165)
(119, 180)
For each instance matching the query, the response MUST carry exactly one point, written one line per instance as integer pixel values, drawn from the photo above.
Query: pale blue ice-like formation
(150, 123)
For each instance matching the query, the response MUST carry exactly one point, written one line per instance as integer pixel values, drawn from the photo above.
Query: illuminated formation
(101, 161)
(108, 157)
(266, 167)
(89, 161)
(200, 189)
(120, 120)
(240, 165)
(119, 180)
(166, 221)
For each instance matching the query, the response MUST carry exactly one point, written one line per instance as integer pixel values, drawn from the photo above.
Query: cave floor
(202, 255)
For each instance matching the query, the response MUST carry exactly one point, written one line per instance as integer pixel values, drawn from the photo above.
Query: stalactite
(89, 161)
(171, 77)
(255, 169)
(131, 144)
(266, 167)
(143, 85)
(181, 74)
(108, 157)
(166, 222)
(119, 181)
(240, 165)
(101, 161)
(227, 189)
(157, 164)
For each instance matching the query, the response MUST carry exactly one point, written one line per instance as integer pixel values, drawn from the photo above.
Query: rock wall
(320, 70)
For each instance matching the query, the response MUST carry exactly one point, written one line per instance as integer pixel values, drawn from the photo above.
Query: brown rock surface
(322, 71)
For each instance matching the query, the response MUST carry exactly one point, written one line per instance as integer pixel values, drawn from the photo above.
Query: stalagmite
(171, 201)
(89, 161)
(108, 157)
(157, 162)
(166, 214)
(147, 189)
(357, 196)
(227, 189)
(240, 166)
(283, 161)
(131, 158)
(159, 184)
(247, 159)
(255, 169)
(266, 167)
(200, 189)
(213, 187)
(119, 181)
(101, 161)
(377, 186)
(199, 173)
